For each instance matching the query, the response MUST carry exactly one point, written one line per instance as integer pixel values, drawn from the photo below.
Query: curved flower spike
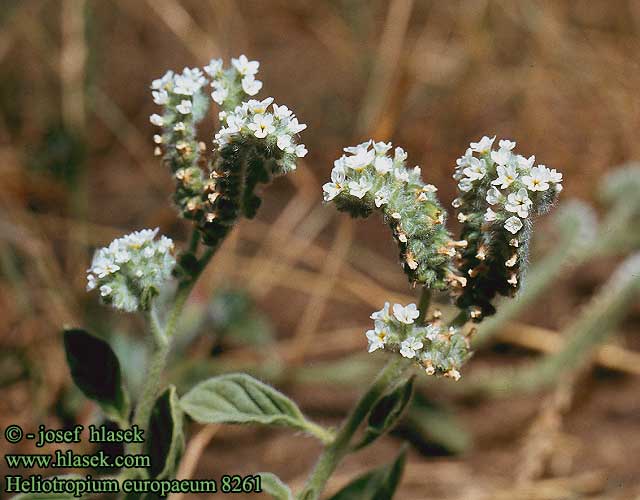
(499, 194)
(132, 270)
(253, 145)
(368, 179)
(256, 144)
(435, 348)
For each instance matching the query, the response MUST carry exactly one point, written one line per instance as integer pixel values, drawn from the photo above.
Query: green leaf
(165, 442)
(273, 485)
(386, 413)
(378, 484)
(96, 371)
(240, 399)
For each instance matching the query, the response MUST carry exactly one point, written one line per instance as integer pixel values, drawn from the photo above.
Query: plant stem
(460, 319)
(149, 391)
(423, 306)
(183, 292)
(335, 452)
(162, 338)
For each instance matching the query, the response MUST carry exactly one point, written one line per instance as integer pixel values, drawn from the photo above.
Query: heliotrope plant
(499, 193)
(257, 140)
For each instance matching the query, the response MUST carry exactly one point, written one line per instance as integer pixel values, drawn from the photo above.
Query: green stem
(184, 290)
(460, 319)
(423, 306)
(162, 345)
(150, 390)
(195, 240)
(335, 452)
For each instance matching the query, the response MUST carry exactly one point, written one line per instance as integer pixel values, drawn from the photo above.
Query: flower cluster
(184, 104)
(499, 193)
(369, 178)
(434, 347)
(231, 86)
(275, 128)
(255, 143)
(130, 272)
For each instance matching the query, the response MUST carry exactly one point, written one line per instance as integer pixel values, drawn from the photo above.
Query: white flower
(244, 66)
(409, 347)
(382, 314)
(184, 107)
(382, 196)
(483, 145)
(553, 175)
(250, 85)
(501, 157)
(432, 331)
(220, 93)
(525, 164)
(160, 97)
(537, 180)
(506, 175)
(179, 127)
(400, 155)
(377, 339)
(156, 120)
(465, 160)
(294, 127)
(284, 143)
(359, 148)
(490, 215)
(406, 314)
(281, 112)
(476, 169)
(257, 107)
(91, 282)
(360, 160)
(506, 144)
(336, 186)
(493, 196)
(360, 188)
(262, 125)
(519, 203)
(381, 147)
(189, 82)
(162, 83)
(513, 224)
(383, 164)
(301, 151)
(214, 67)
(105, 290)
(465, 184)
(401, 174)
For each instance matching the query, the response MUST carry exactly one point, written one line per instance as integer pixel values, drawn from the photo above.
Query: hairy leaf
(378, 484)
(274, 486)
(95, 369)
(238, 398)
(386, 412)
(165, 442)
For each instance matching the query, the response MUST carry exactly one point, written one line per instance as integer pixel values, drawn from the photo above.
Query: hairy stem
(162, 338)
(335, 452)
(423, 306)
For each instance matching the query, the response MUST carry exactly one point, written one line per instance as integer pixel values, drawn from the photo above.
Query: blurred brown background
(77, 169)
